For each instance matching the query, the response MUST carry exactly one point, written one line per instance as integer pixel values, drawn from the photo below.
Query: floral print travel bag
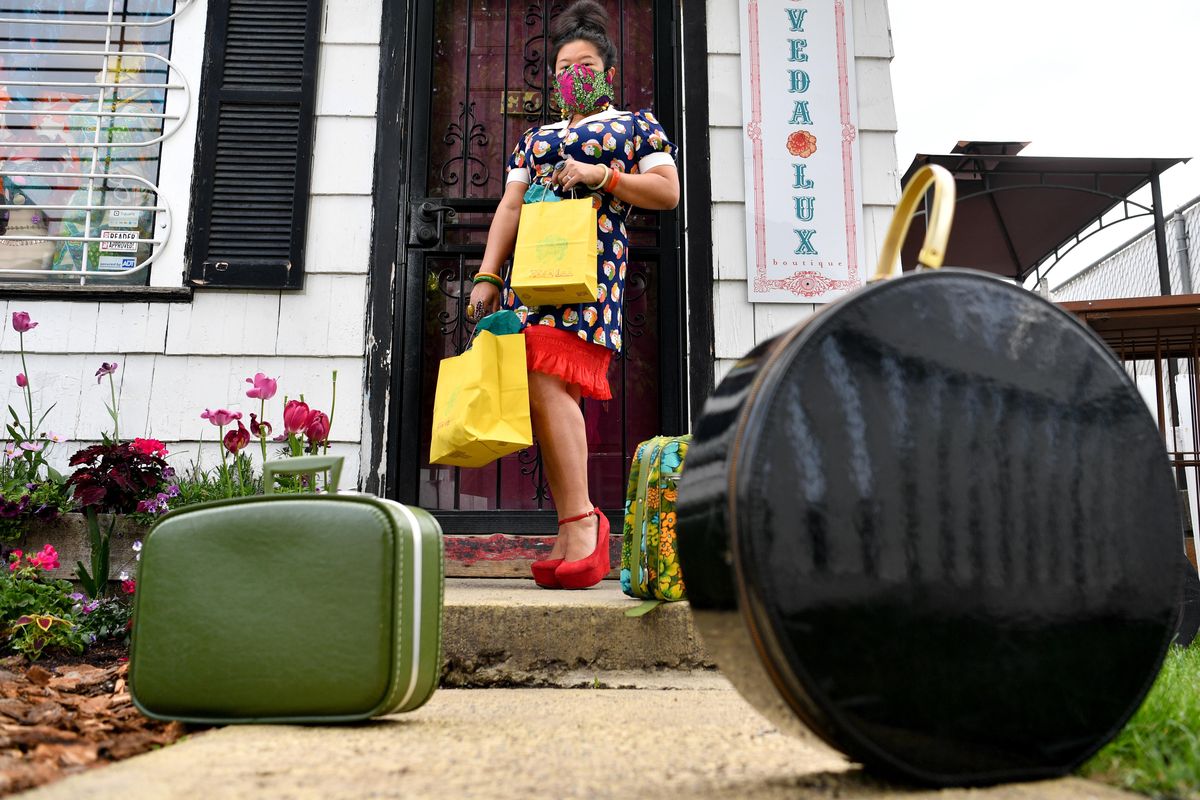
(649, 564)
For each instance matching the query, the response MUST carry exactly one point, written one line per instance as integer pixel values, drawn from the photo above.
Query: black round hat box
(935, 524)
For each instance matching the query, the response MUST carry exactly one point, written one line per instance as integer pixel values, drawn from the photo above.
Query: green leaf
(89, 585)
(643, 608)
(43, 419)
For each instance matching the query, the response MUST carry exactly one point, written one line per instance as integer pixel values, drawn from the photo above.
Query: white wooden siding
(739, 325)
(178, 359)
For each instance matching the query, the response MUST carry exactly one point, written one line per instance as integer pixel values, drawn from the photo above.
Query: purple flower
(46, 513)
(33, 447)
(168, 472)
(76, 596)
(173, 490)
(259, 429)
(90, 607)
(105, 369)
(21, 322)
(11, 509)
(155, 505)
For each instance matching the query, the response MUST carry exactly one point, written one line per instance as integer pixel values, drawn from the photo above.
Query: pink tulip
(21, 322)
(105, 369)
(264, 387)
(235, 440)
(221, 417)
(295, 416)
(22, 381)
(317, 429)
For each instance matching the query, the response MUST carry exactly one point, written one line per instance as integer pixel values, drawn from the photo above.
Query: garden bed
(64, 715)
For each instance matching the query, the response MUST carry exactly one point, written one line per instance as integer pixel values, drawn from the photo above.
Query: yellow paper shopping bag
(481, 406)
(554, 262)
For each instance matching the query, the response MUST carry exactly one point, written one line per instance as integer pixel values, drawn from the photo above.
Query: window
(87, 95)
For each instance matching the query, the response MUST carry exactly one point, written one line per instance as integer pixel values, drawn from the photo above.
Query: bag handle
(308, 465)
(937, 229)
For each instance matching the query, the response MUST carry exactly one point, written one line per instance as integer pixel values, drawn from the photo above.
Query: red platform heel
(587, 572)
(543, 573)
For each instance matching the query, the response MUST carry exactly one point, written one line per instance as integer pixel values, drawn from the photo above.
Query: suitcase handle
(303, 464)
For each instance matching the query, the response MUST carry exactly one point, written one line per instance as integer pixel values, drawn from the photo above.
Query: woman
(621, 159)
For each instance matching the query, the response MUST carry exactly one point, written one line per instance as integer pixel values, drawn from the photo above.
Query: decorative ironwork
(530, 460)
(535, 71)
(637, 283)
(466, 132)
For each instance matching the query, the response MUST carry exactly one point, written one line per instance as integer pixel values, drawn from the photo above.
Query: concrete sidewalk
(697, 740)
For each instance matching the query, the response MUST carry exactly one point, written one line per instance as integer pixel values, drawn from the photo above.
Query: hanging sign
(803, 213)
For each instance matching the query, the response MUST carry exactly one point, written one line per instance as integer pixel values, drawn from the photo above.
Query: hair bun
(581, 15)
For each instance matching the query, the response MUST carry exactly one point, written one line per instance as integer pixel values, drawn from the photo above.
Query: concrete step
(507, 632)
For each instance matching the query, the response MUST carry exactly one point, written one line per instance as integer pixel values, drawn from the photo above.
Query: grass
(1158, 752)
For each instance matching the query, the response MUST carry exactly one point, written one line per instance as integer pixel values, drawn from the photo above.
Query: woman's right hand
(485, 298)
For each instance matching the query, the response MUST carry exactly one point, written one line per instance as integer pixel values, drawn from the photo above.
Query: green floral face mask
(579, 89)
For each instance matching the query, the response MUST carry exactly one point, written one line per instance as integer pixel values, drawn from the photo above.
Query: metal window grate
(84, 89)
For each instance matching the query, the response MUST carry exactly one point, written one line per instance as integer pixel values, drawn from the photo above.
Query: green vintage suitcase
(288, 608)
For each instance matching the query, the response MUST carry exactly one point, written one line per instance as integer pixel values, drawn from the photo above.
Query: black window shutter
(254, 144)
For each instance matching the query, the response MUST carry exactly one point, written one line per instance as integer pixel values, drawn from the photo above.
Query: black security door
(479, 81)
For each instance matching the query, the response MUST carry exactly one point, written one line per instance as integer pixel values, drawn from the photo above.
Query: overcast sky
(1074, 78)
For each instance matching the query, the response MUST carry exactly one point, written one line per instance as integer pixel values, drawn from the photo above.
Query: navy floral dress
(625, 141)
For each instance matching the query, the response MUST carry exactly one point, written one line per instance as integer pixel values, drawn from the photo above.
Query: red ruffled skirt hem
(563, 354)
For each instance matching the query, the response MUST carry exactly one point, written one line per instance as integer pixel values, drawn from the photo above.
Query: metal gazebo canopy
(1017, 215)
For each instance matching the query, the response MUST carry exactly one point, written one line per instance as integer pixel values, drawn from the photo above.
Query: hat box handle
(937, 230)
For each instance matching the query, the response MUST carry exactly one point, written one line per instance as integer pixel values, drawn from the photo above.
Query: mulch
(62, 715)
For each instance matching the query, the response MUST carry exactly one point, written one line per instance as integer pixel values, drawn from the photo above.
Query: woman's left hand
(576, 175)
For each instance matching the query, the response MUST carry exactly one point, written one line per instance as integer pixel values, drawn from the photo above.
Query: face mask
(579, 89)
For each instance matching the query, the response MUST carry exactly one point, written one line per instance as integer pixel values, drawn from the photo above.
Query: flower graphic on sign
(802, 144)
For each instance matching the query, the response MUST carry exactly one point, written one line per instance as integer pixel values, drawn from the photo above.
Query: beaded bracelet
(487, 277)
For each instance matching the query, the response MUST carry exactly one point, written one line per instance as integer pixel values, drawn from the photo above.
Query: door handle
(426, 223)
